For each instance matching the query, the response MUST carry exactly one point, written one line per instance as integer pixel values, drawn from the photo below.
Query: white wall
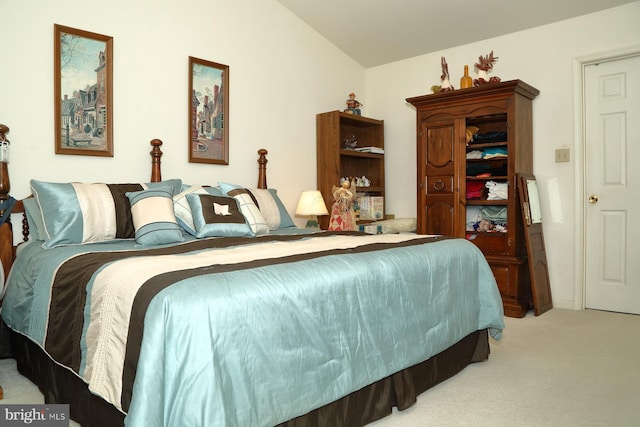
(543, 57)
(281, 74)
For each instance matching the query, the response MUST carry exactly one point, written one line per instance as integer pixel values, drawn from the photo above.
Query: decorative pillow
(210, 189)
(182, 208)
(250, 210)
(217, 216)
(269, 204)
(75, 213)
(153, 217)
(285, 219)
(34, 218)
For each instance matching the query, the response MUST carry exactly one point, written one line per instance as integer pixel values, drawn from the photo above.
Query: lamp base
(312, 224)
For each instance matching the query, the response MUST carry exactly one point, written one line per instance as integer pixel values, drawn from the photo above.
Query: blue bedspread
(259, 346)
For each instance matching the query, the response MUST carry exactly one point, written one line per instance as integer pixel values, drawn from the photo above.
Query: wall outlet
(563, 155)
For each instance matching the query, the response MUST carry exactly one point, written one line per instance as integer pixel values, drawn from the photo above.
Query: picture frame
(208, 112)
(83, 92)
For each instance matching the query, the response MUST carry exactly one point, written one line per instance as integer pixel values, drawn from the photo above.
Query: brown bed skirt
(60, 385)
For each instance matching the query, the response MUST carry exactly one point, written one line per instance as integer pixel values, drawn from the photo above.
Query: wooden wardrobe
(471, 144)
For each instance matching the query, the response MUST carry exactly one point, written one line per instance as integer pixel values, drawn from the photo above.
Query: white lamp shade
(311, 203)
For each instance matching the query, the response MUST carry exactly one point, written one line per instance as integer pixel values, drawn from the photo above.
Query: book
(371, 207)
(373, 229)
(376, 150)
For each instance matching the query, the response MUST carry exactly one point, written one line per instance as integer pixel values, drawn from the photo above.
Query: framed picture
(208, 112)
(83, 76)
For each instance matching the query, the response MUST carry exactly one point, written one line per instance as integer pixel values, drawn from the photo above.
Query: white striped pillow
(153, 217)
(250, 210)
(77, 213)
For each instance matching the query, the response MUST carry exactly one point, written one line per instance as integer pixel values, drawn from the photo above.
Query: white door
(612, 185)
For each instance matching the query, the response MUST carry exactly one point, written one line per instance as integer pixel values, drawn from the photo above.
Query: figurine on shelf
(363, 181)
(343, 217)
(485, 65)
(445, 85)
(350, 142)
(353, 105)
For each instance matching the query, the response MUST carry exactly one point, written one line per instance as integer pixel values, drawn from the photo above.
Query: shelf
(352, 153)
(493, 160)
(487, 202)
(470, 235)
(489, 118)
(358, 121)
(370, 189)
(486, 178)
(472, 147)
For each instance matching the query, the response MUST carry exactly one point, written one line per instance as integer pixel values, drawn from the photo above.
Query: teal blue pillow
(76, 213)
(285, 219)
(210, 188)
(153, 217)
(34, 219)
(217, 216)
(174, 184)
(182, 208)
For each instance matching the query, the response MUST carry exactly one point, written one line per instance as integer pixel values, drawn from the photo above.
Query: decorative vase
(466, 81)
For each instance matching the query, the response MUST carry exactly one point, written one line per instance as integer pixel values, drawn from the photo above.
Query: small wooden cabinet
(334, 161)
(471, 144)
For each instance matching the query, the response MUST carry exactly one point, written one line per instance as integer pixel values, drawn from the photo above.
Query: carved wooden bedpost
(6, 233)
(156, 154)
(262, 168)
(5, 185)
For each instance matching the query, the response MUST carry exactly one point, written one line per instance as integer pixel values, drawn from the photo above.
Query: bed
(236, 317)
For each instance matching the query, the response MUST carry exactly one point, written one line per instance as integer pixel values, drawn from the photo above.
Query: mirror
(534, 202)
(534, 239)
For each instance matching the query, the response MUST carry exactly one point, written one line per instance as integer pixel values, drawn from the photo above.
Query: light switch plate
(563, 155)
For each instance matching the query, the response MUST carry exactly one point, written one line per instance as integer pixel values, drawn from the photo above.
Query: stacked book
(376, 150)
(371, 207)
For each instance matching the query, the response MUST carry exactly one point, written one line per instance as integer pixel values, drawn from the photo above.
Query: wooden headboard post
(156, 154)
(5, 185)
(6, 232)
(262, 168)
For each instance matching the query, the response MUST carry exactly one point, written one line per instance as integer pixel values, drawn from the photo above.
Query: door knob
(593, 199)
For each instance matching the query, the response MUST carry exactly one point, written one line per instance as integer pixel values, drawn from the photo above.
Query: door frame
(580, 146)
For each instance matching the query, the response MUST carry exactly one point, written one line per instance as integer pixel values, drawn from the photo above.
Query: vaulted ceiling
(376, 32)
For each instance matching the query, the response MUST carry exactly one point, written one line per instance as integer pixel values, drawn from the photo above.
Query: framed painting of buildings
(83, 79)
(208, 112)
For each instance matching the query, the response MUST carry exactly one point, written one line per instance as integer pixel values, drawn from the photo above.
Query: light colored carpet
(564, 368)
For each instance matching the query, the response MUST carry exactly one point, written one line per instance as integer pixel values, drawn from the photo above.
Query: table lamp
(311, 204)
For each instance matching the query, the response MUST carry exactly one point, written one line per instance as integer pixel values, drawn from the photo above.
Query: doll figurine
(353, 105)
(343, 216)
